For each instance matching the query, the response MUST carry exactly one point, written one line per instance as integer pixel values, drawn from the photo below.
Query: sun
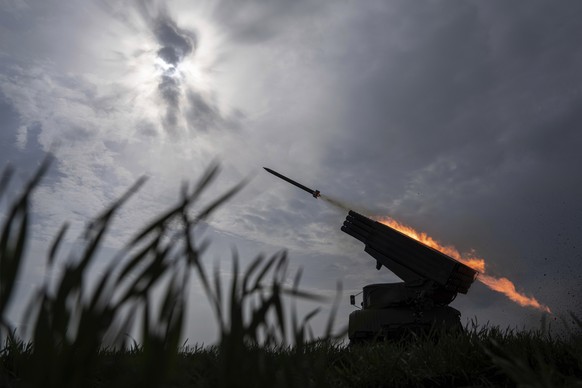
(166, 58)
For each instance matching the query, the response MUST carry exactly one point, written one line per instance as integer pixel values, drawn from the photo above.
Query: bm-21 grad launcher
(431, 280)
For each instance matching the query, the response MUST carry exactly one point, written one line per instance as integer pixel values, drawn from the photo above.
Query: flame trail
(502, 285)
(506, 286)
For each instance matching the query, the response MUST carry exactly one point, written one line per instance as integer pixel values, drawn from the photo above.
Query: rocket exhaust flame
(470, 260)
(502, 285)
(506, 286)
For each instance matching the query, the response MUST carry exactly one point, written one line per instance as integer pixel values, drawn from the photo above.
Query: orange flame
(502, 285)
(506, 286)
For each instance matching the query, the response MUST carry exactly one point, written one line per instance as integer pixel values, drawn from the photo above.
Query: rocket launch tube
(315, 193)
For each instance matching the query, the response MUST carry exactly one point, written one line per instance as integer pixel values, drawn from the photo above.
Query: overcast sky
(461, 119)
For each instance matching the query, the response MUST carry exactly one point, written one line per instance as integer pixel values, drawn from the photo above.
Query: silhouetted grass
(78, 334)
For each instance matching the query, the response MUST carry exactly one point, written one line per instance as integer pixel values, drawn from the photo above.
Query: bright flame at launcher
(502, 285)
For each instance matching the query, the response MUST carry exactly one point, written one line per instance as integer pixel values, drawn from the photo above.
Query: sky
(460, 119)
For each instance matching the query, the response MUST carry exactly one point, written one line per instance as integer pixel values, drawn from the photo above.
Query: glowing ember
(503, 285)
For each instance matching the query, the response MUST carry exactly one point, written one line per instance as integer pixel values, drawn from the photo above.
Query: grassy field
(78, 335)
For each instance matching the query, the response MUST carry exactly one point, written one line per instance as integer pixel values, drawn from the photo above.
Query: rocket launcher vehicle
(431, 280)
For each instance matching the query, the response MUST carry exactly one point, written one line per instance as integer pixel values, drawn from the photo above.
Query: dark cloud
(176, 43)
(403, 98)
(202, 114)
(169, 88)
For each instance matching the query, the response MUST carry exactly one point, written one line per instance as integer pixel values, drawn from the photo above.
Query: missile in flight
(315, 193)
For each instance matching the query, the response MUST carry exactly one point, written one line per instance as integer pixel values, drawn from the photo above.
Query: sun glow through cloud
(159, 58)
